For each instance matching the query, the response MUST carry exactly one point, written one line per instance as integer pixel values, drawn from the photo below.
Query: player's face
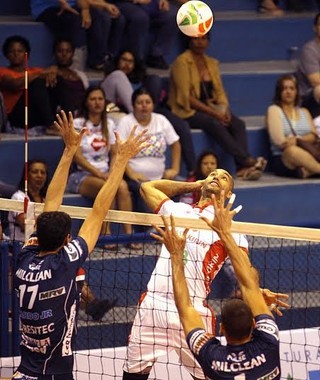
(208, 164)
(64, 54)
(217, 181)
(143, 107)
(289, 91)
(126, 62)
(96, 102)
(37, 176)
(16, 53)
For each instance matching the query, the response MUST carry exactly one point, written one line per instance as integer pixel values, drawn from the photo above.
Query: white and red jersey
(204, 255)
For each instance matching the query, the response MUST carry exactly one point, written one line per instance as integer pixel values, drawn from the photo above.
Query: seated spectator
(128, 73)
(196, 94)
(37, 188)
(207, 162)
(268, 7)
(96, 24)
(150, 163)
(288, 159)
(97, 149)
(71, 84)
(308, 71)
(143, 17)
(12, 84)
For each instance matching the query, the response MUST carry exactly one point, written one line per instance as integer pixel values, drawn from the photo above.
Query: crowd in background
(129, 95)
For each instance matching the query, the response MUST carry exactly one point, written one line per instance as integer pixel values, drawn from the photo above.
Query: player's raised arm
(155, 192)
(247, 275)
(175, 244)
(91, 227)
(71, 140)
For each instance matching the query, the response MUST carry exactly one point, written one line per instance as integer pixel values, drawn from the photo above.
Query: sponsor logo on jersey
(271, 375)
(36, 316)
(37, 330)
(238, 367)
(32, 276)
(34, 266)
(66, 344)
(72, 252)
(35, 345)
(52, 293)
(268, 326)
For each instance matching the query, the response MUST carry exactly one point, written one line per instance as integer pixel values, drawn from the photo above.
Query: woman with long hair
(287, 122)
(95, 154)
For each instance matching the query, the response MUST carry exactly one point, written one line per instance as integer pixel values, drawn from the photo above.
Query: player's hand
(275, 300)
(134, 144)
(66, 129)
(223, 215)
(174, 242)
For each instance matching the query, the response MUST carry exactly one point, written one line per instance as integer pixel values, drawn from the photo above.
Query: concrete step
(236, 36)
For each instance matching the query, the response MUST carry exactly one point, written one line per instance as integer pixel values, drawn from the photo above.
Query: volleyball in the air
(195, 18)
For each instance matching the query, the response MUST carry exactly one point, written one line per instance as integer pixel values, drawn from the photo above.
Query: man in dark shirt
(48, 276)
(252, 350)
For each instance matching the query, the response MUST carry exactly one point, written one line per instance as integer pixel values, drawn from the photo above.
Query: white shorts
(156, 331)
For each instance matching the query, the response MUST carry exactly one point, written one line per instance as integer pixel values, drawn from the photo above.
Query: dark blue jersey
(49, 289)
(258, 359)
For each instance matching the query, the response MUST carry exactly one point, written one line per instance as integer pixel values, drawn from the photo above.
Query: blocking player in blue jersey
(48, 277)
(252, 350)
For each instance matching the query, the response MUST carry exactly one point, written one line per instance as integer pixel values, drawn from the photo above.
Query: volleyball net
(288, 260)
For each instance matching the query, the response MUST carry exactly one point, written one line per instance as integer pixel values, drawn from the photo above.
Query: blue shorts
(74, 181)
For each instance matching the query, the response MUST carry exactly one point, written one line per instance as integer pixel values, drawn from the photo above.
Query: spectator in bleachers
(71, 84)
(289, 159)
(128, 73)
(308, 71)
(207, 162)
(97, 150)
(12, 84)
(143, 17)
(96, 24)
(150, 163)
(37, 188)
(269, 7)
(196, 94)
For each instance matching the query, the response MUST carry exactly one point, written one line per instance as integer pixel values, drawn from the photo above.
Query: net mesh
(287, 258)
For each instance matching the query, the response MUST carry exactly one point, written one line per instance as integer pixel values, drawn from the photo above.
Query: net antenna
(28, 208)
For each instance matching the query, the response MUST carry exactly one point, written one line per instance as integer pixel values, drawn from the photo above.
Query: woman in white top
(150, 163)
(288, 159)
(94, 156)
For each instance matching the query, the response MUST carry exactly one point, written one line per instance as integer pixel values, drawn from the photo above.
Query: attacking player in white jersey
(252, 349)
(156, 329)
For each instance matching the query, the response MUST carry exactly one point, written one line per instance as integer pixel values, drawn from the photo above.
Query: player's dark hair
(316, 19)
(236, 318)
(52, 229)
(140, 91)
(279, 88)
(13, 39)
